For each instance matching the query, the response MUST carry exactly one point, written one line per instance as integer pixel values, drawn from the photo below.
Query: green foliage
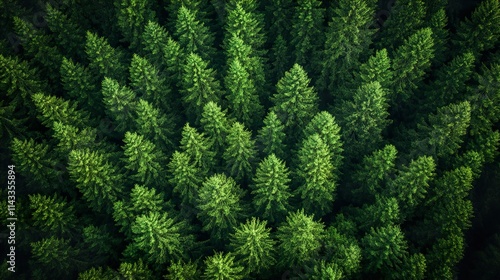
(80, 84)
(271, 137)
(136, 270)
(240, 152)
(69, 35)
(179, 270)
(253, 246)
(105, 61)
(377, 68)
(343, 251)
(383, 248)
(221, 266)
(131, 17)
(295, 102)
(315, 170)
(197, 146)
(185, 177)
(120, 103)
(384, 211)
(97, 274)
(199, 86)
(219, 202)
(143, 159)
(193, 35)
(96, 178)
(300, 239)
(216, 125)
(271, 189)
(55, 256)
(52, 214)
(324, 270)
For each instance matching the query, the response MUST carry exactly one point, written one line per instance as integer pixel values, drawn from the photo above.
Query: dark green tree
(323, 270)
(52, 215)
(299, 239)
(199, 86)
(179, 270)
(135, 270)
(271, 137)
(216, 125)
(120, 103)
(220, 205)
(198, 147)
(81, 85)
(253, 246)
(69, 36)
(240, 153)
(54, 256)
(271, 189)
(185, 177)
(131, 17)
(105, 61)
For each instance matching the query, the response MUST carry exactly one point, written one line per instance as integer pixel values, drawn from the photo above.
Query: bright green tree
(143, 159)
(220, 205)
(300, 239)
(295, 102)
(253, 246)
(384, 248)
(131, 17)
(347, 39)
(242, 96)
(80, 85)
(326, 126)
(198, 147)
(343, 250)
(199, 86)
(120, 103)
(240, 153)
(376, 69)
(193, 35)
(271, 137)
(148, 83)
(69, 35)
(159, 237)
(185, 177)
(135, 270)
(179, 270)
(216, 125)
(72, 138)
(315, 173)
(98, 273)
(96, 177)
(105, 61)
(323, 270)
(221, 266)
(384, 211)
(52, 215)
(271, 189)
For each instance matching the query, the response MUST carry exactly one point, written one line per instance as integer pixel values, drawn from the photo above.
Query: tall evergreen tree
(52, 215)
(69, 35)
(80, 84)
(315, 173)
(271, 137)
(295, 102)
(105, 61)
(197, 146)
(199, 86)
(180, 270)
(222, 266)
(300, 239)
(240, 153)
(220, 206)
(271, 189)
(216, 125)
(185, 177)
(54, 256)
(253, 246)
(131, 16)
(120, 103)
(97, 178)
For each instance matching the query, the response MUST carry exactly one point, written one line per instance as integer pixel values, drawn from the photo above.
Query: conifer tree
(410, 62)
(325, 125)
(279, 15)
(222, 266)
(271, 189)
(216, 125)
(240, 153)
(343, 250)
(36, 162)
(98, 244)
(307, 37)
(219, 202)
(324, 270)
(444, 131)
(68, 34)
(242, 95)
(280, 59)
(193, 35)
(347, 39)
(72, 138)
(105, 61)
(54, 256)
(52, 215)
(97, 273)
(271, 137)
(186, 178)
(80, 84)
(96, 178)
(147, 83)
(143, 159)
(253, 246)
(199, 86)
(384, 248)
(159, 237)
(315, 173)
(180, 270)
(53, 109)
(377, 68)
(197, 146)
(120, 103)
(384, 211)
(135, 270)
(131, 16)
(481, 32)
(407, 16)
(156, 126)
(295, 102)
(300, 239)
(438, 23)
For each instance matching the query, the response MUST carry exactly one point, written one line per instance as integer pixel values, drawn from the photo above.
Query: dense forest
(242, 139)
